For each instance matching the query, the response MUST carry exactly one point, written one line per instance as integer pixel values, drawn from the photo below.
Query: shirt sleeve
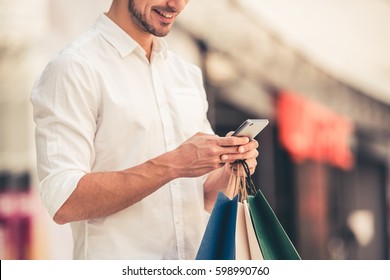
(65, 110)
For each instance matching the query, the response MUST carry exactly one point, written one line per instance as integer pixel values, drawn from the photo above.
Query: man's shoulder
(83, 45)
(78, 52)
(74, 59)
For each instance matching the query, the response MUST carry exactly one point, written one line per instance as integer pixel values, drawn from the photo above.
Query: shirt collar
(124, 43)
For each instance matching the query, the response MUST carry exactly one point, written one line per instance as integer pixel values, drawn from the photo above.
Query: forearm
(104, 193)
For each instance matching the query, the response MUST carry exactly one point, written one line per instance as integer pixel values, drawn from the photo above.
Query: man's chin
(161, 33)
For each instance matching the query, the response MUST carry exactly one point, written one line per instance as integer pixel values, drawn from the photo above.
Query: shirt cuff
(56, 189)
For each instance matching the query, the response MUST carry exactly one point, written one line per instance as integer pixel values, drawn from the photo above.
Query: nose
(177, 5)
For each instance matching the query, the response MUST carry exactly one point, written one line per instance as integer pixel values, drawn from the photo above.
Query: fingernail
(224, 157)
(241, 149)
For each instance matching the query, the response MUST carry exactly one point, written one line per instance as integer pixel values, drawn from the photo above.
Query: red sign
(308, 130)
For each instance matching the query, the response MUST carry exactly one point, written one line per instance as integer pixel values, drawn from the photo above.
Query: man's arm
(104, 193)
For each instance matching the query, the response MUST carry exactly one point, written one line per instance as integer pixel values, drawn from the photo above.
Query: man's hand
(204, 153)
(248, 152)
(219, 178)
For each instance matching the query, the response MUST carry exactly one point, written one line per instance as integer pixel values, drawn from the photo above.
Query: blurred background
(319, 70)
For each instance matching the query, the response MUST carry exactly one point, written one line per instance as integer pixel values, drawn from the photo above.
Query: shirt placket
(170, 143)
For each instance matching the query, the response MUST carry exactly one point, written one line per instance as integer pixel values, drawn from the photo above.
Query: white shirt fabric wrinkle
(101, 106)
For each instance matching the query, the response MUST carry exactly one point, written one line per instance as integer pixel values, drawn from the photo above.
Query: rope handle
(242, 184)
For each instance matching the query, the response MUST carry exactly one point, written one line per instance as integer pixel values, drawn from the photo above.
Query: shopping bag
(230, 233)
(274, 241)
(218, 242)
(247, 246)
(271, 236)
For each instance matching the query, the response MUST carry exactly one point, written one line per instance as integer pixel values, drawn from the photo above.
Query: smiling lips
(167, 17)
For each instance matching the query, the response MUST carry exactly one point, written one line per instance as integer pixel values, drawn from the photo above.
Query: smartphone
(251, 128)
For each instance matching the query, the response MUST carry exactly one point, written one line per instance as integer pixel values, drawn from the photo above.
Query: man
(125, 151)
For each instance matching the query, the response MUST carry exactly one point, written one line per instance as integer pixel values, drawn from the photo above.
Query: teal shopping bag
(218, 242)
(273, 239)
(271, 236)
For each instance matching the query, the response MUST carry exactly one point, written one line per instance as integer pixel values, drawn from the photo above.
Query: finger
(229, 133)
(240, 156)
(224, 158)
(251, 163)
(232, 141)
(242, 152)
(252, 145)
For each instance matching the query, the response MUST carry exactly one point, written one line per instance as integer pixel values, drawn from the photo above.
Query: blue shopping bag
(218, 241)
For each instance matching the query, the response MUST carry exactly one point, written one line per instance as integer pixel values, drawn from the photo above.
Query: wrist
(165, 166)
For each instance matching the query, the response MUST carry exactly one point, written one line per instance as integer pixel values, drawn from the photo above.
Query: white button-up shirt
(101, 106)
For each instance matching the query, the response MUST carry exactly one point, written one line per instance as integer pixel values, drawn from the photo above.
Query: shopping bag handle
(250, 186)
(241, 184)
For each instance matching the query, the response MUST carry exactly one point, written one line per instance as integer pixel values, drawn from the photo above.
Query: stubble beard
(141, 22)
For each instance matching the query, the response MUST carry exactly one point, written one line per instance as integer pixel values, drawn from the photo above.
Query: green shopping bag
(273, 240)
